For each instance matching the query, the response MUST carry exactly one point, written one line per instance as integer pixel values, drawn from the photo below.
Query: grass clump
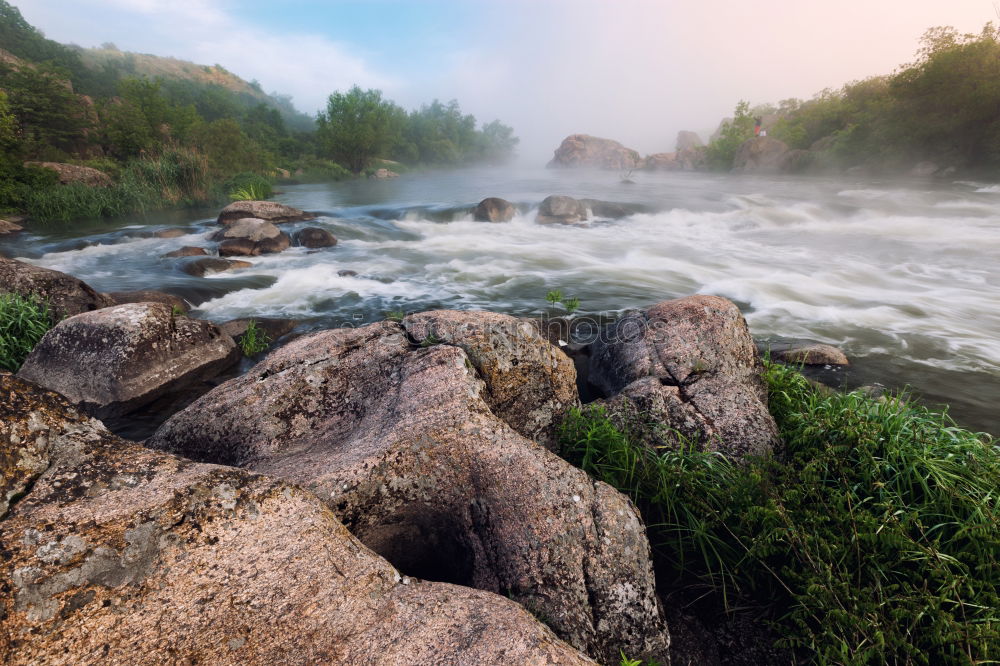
(254, 340)
(249, 187)
(875, 540)
(23, 322)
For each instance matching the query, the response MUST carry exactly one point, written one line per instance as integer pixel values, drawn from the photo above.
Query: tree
(357, 127)
(733, 133)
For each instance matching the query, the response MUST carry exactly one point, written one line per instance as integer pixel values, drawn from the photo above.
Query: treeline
(190, 140)
(944, 107)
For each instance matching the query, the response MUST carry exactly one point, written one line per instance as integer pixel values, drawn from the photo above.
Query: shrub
(875, 541)
(249, 187)
(23, 322)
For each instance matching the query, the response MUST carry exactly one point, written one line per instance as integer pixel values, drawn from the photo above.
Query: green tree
(357, 127)
(733, 133)
(49, 114)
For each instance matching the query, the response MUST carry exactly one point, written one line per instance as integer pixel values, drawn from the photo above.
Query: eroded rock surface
(270, 211)
(114, 553)
(399, 438)
(689, 364)
(65, 294)
(111, 361)
(176, 303)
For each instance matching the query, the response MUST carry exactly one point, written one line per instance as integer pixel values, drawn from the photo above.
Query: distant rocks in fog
(583, 150)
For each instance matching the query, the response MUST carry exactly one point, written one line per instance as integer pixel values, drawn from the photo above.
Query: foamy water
(904, 276)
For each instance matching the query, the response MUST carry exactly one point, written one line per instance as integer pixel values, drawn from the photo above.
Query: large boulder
(530, 383)
(692, 367)
(73, 173)
(250, 237)
(399, 438)
(761, 154)
(270, 211)
(315, 238)
(111, 361)
(65, 294)
(582, 150)
(175, 303)
(114, 553)
(557, 209)
(687, 140)
(663, 162)
(494, 209)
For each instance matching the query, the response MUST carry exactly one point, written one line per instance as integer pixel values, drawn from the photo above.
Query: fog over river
(902, 275)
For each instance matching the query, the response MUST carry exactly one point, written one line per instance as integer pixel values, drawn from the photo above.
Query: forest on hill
(170, 133)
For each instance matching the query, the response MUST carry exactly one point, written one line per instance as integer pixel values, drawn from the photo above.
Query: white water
(903, 275)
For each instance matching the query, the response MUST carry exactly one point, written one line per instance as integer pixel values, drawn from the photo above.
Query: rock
(210, 265)
(530, 383)
(762, 154)
(10, 225)
(663, 162)
(314, 237)
(237, 247)
(270, 211)
(381, 174)
(114, 553)
(283, 174)
(149, 296)
(114, 360)
(687, 140)
(173, 232)
(699, 350)
(401, 442)
(816, 354)
(347, 273)
(924, 169)
(251, 237)
(187, 251)
(273, 327)
(558, 209)
(249, 228)
(581, 150)
(608, 209)
(66, 295)
(494, 209)
(71, 173)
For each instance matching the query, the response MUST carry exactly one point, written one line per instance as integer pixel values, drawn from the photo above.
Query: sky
(637, 71)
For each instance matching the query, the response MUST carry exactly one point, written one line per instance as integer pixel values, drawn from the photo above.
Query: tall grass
(876, 540)
(23, 322)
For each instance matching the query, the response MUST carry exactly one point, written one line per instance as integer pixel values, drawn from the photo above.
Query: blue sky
(634, 70)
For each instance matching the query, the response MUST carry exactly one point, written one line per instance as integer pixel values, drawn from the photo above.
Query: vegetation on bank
(23, 322)
(944, 107)
(105, 109)
(875, 540)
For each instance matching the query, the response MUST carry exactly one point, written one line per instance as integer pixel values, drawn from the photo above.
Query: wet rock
(558, 209)
(400, 440)
(175, 303)
(608, 209)
(10, 225)
(112, 361)
(270, 211)
(66, 295)
(582, 150)
(382, 174)
(187, 251)
(114, 553)
(314, 237)
(924, 169)
(274, 328)
(72, 173)
(530, 384)
(249, 228)
(347, 273)
(173, 232)
(251, 237)
(700, 353)
(494, 209)
(210, 265)
(815, 354)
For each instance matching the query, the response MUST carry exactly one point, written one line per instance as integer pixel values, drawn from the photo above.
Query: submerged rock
(688, 365)
(315, 237)
(187, 251)
(114, 553)
(210, 265)
(114, 360)
(399, 438)
(65, 294)
(557, 209)
(270, 211)
(494, 209)
(173, 232)
(582, 150)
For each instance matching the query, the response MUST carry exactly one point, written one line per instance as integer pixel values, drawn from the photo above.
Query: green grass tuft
(23, 322)
(876, 540)
(254, 340)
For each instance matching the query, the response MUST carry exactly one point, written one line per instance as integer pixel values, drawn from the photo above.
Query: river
(904, 276)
